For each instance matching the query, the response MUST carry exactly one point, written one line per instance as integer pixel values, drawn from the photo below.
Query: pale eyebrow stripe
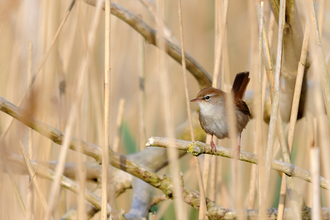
(212, 94)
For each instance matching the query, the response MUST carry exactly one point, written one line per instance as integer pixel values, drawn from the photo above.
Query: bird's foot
(213, 148)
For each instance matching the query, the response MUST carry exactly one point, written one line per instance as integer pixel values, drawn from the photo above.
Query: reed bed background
(53, 62)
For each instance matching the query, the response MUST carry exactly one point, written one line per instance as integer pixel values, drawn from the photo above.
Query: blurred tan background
(23, 21)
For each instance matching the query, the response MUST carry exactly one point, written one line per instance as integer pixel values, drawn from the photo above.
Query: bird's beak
(194, 100)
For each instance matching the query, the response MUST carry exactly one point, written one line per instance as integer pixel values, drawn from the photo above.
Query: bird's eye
(207, 97)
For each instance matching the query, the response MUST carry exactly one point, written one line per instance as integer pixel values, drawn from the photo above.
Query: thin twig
(32, 177)
(151, 6)
(201, 75)
(198, 148)
(185, 82)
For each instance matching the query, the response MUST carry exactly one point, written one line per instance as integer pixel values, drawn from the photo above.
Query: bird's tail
(240, 83)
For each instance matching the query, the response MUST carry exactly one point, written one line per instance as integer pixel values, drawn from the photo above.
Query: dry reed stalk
(213, 179)
(320, 59)
(320, 15)
(142, 104)
(30, 59)
(315, 173)
(286, 158)
(275, 105)
(202, 209)
(78, 158)
(33, 178)
(29, 203)
(268, 62)
(308, 138)
(295, 198)
(106, 184)
(259, 116)
(236, 171)
(225, 66)
(172, 153)
(73, 112)
(82, 182)
(206, 165)
(152, 216)
(281, 203)
(293, 118)
(217, 23)
(213, 184)
(284, 152)
(118, 124)
(264, 84)
(252, 188)
(16, 190)
(81, 172)
(322, 77)
(271, 26)
(219, 44)
(219, 39)
(47, 73)
(218, 188)
(324, 148)
(267, 55)
(279, 131)
(297, 91)
(163, 209)
(322, 127)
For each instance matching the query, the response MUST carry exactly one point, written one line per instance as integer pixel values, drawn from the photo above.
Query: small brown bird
(213, 112)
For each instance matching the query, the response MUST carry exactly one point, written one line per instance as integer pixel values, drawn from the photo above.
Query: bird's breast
(213, 119)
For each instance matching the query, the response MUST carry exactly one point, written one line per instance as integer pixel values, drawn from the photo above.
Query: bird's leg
(239, 145)
(212, 145)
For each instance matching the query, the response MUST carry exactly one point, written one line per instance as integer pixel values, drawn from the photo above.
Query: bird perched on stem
(213, 111)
